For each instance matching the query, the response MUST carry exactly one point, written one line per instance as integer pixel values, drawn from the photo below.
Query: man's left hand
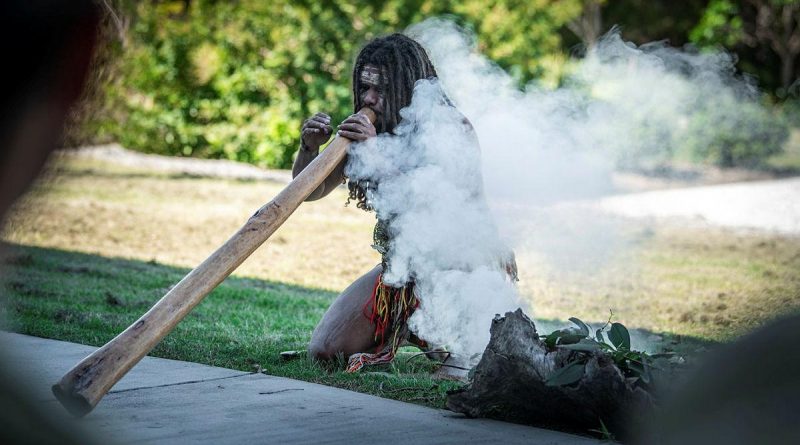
(357, 127)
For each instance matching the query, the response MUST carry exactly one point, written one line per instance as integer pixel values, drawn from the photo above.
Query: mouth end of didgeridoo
(370, 113)
(75, 404)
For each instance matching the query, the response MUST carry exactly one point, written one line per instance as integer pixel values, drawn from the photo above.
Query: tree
(588, 26)
(522, 36)
(767, 27)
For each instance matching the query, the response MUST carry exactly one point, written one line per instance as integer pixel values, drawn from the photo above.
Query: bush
(220, 81)
(740, 134)
(235, 80)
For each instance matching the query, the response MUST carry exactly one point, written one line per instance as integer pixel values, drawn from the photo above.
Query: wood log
(84, 386)
(509, 383)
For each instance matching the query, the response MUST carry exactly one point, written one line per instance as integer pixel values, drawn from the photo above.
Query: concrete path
(212, 168)
(168, 401)
(772, 205)
(762, 205)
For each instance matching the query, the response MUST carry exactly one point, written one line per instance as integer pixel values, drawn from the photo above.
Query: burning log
(522, 379)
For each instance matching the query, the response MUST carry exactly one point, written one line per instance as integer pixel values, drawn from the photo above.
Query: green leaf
(619, 336)
(640, 368)
(583, 328)
(568, 339)
(636, 368)
(567, 375)
(585, 345)
(598, 335)
(563, 337)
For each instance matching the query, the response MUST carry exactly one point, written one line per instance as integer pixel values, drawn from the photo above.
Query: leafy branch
(612, 339)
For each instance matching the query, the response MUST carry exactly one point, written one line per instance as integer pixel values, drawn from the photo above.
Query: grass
(244, 324)
(94, 245)
(713, 284)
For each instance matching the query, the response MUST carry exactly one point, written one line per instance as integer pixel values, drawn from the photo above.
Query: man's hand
(316, 131)
(357, 127)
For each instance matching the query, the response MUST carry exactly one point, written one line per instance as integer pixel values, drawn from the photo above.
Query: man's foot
(452, 369)
(435, 353)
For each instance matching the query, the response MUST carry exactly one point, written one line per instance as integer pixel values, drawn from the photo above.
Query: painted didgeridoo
(84, 386)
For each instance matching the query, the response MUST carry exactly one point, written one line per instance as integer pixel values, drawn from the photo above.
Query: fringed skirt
(388, 310)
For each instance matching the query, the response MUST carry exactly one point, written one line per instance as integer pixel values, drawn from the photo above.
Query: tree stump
(509, 383)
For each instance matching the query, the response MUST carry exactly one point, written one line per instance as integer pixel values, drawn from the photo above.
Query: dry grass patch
(710, 283)
(98, 208)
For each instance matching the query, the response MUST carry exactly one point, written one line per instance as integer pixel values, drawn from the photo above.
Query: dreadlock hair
(402, 62)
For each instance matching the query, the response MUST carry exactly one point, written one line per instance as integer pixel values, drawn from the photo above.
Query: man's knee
(321, 352)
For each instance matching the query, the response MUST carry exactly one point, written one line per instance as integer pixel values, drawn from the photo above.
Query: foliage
(764, 33)
(635, 365)
(740, 134)
(521, 35)
(790, 112)
(234, 80)
(644, 21)
(720, 24)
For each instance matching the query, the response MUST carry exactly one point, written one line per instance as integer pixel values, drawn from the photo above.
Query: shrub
(735, 134)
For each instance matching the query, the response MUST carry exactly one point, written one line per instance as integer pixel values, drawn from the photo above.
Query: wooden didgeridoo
(82, 387)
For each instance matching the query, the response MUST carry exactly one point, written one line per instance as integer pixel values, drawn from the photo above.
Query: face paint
(371, 92)
(371, 76)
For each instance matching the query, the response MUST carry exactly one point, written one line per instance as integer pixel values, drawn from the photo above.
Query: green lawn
(244, 324)
(93, 246)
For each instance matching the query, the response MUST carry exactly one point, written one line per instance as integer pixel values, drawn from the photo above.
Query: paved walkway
(762, 205)
(213, 168)
(771, 205)
(168, 401)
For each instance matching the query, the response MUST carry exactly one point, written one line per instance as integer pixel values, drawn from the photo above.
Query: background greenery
(235, 79)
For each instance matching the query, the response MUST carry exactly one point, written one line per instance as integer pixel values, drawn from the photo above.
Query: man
(383, 79)
(370, 315)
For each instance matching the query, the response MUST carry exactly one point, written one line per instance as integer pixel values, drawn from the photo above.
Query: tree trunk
(787, 70)
(588, 25)
(509, 384)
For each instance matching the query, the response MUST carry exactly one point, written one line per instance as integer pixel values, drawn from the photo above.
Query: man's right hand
(316, 131)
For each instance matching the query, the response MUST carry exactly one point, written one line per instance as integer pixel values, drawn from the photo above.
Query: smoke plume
(429, 189)
(531, 154)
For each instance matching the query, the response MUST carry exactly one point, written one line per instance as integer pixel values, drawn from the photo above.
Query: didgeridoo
(85, 385)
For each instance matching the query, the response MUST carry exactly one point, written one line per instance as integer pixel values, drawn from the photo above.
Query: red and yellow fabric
(388, 309)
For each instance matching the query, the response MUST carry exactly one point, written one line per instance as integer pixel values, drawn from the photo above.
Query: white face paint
(371, 75)
(371, 93)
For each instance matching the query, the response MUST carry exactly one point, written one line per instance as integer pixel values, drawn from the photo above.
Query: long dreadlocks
(401, 61)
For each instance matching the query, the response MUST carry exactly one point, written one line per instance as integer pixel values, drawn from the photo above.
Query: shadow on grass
(89, 299)
(243, 324)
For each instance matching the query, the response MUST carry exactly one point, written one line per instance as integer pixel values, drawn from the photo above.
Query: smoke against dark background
(543, 154)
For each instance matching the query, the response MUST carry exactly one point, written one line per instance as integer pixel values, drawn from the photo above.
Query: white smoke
(545, 152)
(429, 188)
(538, 151)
